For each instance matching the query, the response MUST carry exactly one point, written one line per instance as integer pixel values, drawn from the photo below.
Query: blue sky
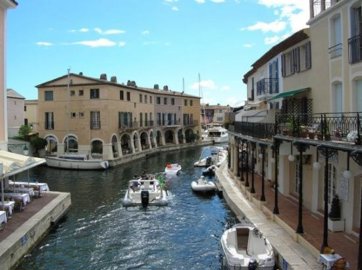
(168, 42)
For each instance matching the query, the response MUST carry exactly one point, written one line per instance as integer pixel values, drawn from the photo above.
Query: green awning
(290, 93)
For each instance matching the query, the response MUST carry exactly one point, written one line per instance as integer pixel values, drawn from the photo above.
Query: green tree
(24, 131)
(38, 143)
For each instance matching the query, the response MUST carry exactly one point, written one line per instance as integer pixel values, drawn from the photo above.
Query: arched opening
(169, 137)
(180, 136)
(70, 144)
(144, 141)
(52, 146)
(159, 137)
(126, 144)
(97, 149)
(115, 146)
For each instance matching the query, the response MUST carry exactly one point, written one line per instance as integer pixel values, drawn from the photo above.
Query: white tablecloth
(28, 190)
(3, 218)
(24, 197)
(8, 206)
(34, 185)
(328, 260)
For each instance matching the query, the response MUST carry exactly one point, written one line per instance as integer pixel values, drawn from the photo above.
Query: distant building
(31, 114)
(15, 110)
(214, 114)
(104, 118)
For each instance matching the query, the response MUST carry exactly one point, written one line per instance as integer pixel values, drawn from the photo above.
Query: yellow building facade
(106, 119)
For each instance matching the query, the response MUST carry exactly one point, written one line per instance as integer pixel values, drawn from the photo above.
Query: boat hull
(244, 247)
(208, 186)
(70, 164)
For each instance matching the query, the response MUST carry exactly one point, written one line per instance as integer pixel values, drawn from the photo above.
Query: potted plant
(335, 223)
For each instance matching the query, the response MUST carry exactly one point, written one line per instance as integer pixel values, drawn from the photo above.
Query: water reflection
(101, 234)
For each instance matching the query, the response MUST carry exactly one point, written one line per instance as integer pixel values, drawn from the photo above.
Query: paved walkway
(300, 251)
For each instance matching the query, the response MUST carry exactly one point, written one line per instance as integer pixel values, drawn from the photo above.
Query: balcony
(341, 127)
(355, 49)
(335, 51)
(267, 86)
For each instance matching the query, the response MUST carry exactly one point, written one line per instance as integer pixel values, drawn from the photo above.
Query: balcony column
(325, 217)
(247, 164)
(253, 147)
(237, 154)
(175, 134)
(276, 175)
(262, 147)
(241, 160)
(301, 148)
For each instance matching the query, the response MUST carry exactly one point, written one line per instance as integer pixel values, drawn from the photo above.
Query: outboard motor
(208, 161)
(253, 264)
(145, 198)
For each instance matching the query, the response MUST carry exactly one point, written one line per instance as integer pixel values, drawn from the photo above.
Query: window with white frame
(337, 97)
(95, 120)
(335, 48)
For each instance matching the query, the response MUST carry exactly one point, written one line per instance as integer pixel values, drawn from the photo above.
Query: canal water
(99, 233)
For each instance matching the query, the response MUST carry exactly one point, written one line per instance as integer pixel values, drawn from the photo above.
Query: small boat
(204, 162)
(76, 162)
(172, 168)
(246, 248)
(145, 191)
(209, 171)
(203, 185)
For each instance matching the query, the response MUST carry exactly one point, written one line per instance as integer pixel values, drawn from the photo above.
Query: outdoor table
(34, 185)
(28, 190)
(23, 197)
(3, 218)
(8, 206)
(328, 260)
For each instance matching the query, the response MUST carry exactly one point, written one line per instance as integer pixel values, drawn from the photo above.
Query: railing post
(253, 147)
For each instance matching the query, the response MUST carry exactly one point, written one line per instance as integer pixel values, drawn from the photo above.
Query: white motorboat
(216, 134)
(203, 185)
(146, 191)
(246, 248)
(76, 162)
(217, 157)
(172, 168)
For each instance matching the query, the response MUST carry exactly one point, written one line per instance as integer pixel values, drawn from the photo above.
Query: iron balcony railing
(267, 86)
(335, 51)
(326, 126)
(355, 49)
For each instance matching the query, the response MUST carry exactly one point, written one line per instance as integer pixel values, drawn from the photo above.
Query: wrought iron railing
(335, 50)
(327, 126)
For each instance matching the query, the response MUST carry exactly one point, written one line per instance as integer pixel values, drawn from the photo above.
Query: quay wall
(150, 152)
(29, 234)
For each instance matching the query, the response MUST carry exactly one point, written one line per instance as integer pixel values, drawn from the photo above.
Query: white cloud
(102, 42)
(206, 84)
(174, 8)
(271, 40)
(225, 88)
(44, 43)
(295, 13)
(248, 45)
(200, 1)
(109, 31)
(81, 30)
(218, 1)
(276, 26)
(145, 32)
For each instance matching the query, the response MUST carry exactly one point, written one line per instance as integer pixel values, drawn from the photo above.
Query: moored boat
(203, 185)
(246, 248)
(173, 168)
(76, 162)
(145, 191)
(216, 134)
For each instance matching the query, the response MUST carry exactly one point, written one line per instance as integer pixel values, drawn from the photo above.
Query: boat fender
(145, 197)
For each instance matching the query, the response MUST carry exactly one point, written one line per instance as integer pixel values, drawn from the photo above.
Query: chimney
(114, 79)
(165, 88)
(81, 73)
(103, 76)
(156, 86)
